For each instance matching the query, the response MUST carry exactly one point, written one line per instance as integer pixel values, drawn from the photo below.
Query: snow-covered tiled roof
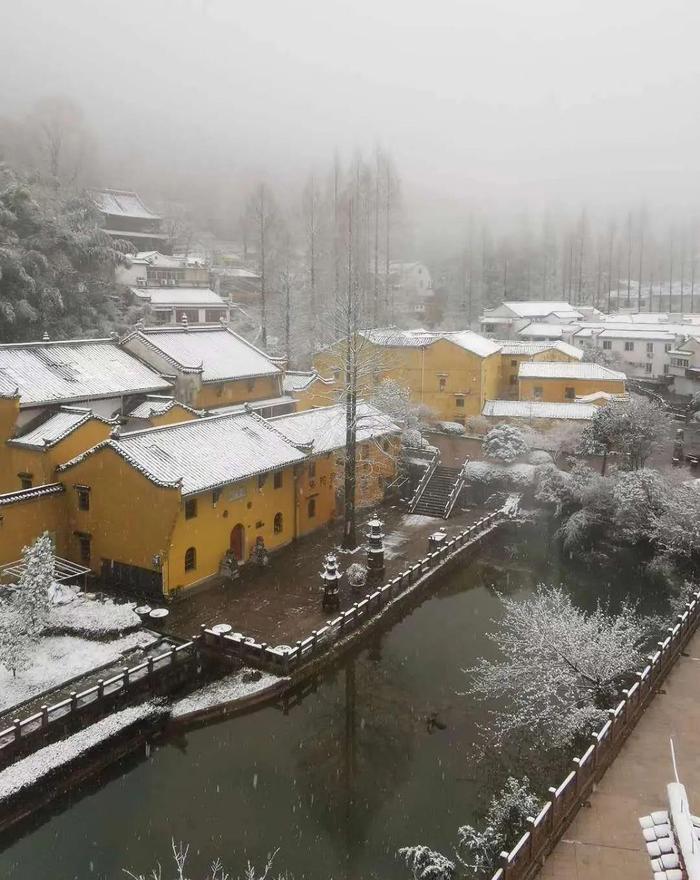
(532, 348)
(325, 426)
(203, 453)
(214, 351)
(568, 370)
(299, 381)
(257, 405)
(157, 405)
(658, 335)
(72, 370)
(537, 330)
(122, 203)
(541, 308)
(29, 494)
(179, 296)
(56, 428)
(538, 409)
(392, 337)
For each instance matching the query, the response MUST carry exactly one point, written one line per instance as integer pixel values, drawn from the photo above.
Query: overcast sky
(505, 100)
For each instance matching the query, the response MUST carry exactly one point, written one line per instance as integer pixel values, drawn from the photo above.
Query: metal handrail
(420, 488)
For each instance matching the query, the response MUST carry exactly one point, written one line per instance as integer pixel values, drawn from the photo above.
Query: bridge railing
(30, 732)
(433, 459)
(525, 859)
(283, 660)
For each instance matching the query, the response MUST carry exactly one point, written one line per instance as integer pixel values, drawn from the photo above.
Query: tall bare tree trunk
(641, 262)
(350, 487)
(629, 259)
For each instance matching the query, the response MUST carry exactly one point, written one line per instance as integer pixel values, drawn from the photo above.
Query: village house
(684, 366)
(126, 218)
(158, 410)
(173, 304)
(220, 483)
(412, 290)
(567, 382)
(538, 414)
(59, 398)
(153, 269)
(514, 353)
(450, 374)
(641, 351)
(211, 367)
(27, 513)
(510, 318)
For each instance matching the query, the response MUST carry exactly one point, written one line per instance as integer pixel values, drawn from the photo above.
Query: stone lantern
(375, 550)
(330, 576)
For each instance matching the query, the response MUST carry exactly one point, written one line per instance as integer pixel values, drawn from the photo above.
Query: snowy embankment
(59, 659)
(240, 686)
(32, 770)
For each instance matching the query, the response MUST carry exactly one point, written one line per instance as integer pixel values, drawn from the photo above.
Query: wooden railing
(433, 459)
(282, 662)
(527, 856)
(31, 732)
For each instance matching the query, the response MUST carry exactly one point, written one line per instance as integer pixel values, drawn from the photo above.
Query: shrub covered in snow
(92, 618)
(539, 456)
(450, 427)
(426, 864)
(484, 478)
(357, 575)
(505, 443)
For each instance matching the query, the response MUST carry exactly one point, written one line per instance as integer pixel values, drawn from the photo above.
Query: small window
(647, 368)
(85, 549)
(83, 497)
(312, 469)
(607, 344)
(538, 391)
(215, 495)
(442, 381)
(650, 348)
(513, 379)
(261, 480)
(277, 480)
(514, 363)
(570, 393)
(278, 523)
(665, 369)
(26, 481)
(629, 345)
(311, 508)
(668, 346)
(459, 401)
(190, 559)
(190, 508)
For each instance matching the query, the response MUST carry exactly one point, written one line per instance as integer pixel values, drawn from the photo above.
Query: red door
(237, 542)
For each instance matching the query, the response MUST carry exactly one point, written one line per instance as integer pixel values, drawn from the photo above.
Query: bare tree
(262, 214)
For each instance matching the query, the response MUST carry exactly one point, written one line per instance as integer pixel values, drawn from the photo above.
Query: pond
(377, 758)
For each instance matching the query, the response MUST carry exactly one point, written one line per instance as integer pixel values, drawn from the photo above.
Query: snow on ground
(93, 618)
(401, 534)
(226, 690)
(56, 659)
(30, 770)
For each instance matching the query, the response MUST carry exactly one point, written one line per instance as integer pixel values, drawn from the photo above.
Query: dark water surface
(376, 758)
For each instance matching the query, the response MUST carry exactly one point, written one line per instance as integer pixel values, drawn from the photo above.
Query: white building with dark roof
(172, 304)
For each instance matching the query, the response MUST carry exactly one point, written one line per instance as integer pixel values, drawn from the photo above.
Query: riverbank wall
(527, 857)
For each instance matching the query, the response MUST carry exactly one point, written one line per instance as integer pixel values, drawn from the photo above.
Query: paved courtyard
(281, 603)
(605, 840)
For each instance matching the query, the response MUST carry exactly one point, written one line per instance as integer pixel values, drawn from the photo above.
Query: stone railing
(283, 661)
(527, 856)
(433, 459)
(81, 708)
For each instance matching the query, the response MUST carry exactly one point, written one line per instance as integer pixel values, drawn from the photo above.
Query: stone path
(605, 839)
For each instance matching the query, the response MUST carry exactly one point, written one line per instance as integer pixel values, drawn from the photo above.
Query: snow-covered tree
(628, 428)
(505, 443)
(14, 653)
(427, 864)
(559, 667)
(504, 823)
(31, 602)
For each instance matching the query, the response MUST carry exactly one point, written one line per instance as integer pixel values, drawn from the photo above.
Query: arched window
(190, 559)
(312, 508)
(278, 524)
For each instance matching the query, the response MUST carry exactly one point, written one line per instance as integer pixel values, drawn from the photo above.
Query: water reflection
(378, 757)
